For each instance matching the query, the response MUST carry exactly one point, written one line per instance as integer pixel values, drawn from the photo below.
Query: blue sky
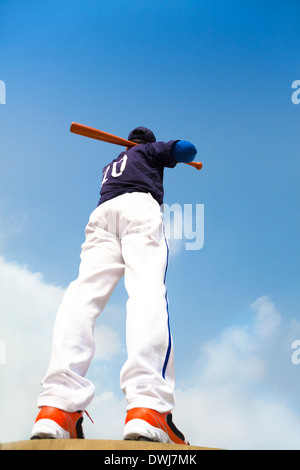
(217, 73)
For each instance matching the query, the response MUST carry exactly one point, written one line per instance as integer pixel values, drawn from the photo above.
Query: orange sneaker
(52, 423)
(149, 425)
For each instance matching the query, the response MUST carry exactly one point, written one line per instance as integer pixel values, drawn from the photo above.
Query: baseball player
(124, 236)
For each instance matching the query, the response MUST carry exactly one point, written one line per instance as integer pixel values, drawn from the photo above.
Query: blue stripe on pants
(167, 305)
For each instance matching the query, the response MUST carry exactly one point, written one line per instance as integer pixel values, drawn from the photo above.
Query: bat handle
(197, 165)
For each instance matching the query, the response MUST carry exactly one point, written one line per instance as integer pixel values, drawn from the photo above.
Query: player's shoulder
(157, 153)
(154, 147)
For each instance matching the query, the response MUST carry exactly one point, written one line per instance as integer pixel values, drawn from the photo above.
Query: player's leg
(65, 386)
(147, 377)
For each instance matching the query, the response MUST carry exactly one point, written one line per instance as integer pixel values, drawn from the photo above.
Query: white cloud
(234, 392)
(28, 306)
(229, 418)
(11, 226)
(267, 318)
(108, 343)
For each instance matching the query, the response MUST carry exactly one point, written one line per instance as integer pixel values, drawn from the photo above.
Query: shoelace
(88, 416)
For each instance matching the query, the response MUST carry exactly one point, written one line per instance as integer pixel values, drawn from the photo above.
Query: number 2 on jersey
(117, 169)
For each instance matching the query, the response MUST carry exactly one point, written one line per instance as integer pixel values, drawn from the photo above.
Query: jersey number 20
(116, 170)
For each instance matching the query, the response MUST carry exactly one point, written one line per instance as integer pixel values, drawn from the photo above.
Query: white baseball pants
(124, 236)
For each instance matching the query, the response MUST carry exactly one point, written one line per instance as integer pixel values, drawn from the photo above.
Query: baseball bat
(93, 133)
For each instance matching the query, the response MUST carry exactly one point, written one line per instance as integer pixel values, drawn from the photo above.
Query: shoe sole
(48, 429)
(139, 438)
(138, 429)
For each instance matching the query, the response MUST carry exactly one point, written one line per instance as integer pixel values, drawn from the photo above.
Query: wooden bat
(93, 133)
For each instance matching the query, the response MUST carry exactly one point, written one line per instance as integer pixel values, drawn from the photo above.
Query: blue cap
(142, 135)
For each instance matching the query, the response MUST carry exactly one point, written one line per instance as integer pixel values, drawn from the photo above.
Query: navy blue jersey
(139, 169)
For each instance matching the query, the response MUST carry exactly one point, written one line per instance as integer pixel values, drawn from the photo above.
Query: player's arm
(170, 153)
(183, 151)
